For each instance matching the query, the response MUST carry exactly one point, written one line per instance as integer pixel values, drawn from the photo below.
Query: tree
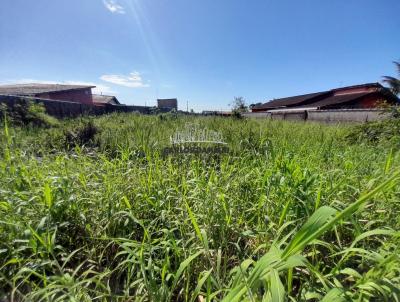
(393, 82)
(239, 105)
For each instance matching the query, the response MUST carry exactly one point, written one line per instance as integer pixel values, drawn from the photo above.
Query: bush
(27, 113)
(172, 115)
(387, 130)
(83, 135)
(237, 114)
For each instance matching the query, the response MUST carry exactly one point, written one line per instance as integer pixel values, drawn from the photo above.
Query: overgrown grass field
(90, 210)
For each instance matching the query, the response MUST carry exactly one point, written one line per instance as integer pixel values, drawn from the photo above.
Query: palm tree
(393, 82)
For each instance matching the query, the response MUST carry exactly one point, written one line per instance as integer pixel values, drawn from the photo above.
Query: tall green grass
(295, 213)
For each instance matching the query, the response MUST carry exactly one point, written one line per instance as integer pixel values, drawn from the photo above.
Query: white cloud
(100, 88)
(133, 80)
(114, 7)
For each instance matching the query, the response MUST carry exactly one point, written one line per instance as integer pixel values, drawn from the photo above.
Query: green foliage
(393, 82)
(168, 116)
(295, 212)
(81, 135)
(28, 113)
(386, 131)
(239, 106)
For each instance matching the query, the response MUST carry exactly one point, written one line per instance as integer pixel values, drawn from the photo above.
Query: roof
(34, 88)
(293, 100)
(324, 98)
(340, 99)
(367, 85)
(104, 99)
(294, 109)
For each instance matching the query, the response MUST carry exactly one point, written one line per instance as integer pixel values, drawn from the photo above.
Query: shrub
(28, 113)
(387, 130)
(83, 135)
(172, 115)
(237, 114)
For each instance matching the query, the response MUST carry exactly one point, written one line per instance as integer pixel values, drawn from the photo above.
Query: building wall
(83, 96)
(370, 101)
(168, 103)
(367, 102)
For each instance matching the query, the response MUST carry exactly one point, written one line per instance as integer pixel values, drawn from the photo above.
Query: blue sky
(202, 52)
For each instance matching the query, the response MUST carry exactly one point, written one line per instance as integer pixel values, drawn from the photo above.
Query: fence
(328, 116)
(63, 109)
(347, 115)
(257, 114)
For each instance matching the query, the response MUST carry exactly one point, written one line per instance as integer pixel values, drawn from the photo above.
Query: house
(168, 104)
(363, 96)
(62, 100)
(102, 100)
(60, 92)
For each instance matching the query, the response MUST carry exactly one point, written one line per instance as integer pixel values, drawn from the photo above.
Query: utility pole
(187, 106)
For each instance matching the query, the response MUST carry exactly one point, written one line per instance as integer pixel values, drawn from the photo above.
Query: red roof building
(352, 97)
(59, 92)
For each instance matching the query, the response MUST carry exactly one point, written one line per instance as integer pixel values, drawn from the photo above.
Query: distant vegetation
(239, 106)
(393, 82)
(91, 211)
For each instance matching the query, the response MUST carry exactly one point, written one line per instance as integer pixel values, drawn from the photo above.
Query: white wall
(334, 115)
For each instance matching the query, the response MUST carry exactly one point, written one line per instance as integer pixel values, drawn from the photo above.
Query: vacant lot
(91, 211)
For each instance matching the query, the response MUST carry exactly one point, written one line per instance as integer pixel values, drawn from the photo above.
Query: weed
(295, 212)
